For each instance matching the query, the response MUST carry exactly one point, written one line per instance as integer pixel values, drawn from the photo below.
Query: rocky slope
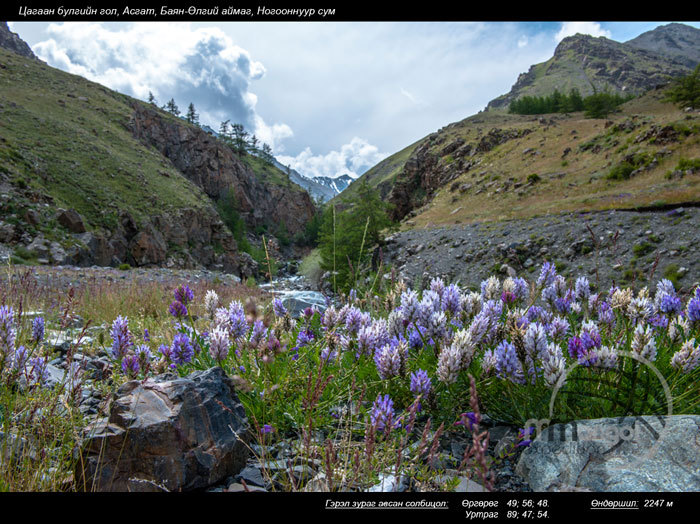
(215, 168)
(12, 42)
(624, 247)
(677, 41)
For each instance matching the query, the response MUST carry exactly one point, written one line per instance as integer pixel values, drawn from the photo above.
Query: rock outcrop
(215, 168)
(166, 434)
(630, 454)
(425, 171)
(14, 43)
(189, 239)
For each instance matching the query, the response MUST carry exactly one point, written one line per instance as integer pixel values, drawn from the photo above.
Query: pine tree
(253, 144)
(225, 133)
(171, 107)
(686, 90)
(151, 99)
(347, 238)
(239, 136)
(192, 116)
(267, 153)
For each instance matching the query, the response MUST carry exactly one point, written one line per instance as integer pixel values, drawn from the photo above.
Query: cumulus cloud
(202, 66)
(585, 28)
(353, 159)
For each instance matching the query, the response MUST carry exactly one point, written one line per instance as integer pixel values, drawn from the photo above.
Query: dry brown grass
(584, 185)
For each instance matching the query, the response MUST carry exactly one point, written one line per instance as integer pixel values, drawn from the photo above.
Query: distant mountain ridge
(590, 63)
(677, 41)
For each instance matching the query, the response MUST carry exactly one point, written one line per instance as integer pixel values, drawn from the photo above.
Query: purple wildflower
(558, 328)
(181, 350)
(420, 383)
(178, 309)
(328, 355)
(414, 338)
(522, 289)
(687, 358)
(693, 308)
(38, 373)
(582, 289)
(304, 337)
(218, 344)
(575, 347)
(590, 335)
(670, 304)
(38, 329)
(166, 351)
(353, 320)
(278, 308)
(452, 299)
(606, 315)
(525, 437)
(184, 295)
(130, 365)
(508, 297)
(438, 286)
(266, 429)
(389, 359)
(658, 321)
(122, 339)
(382, 412)
(8, 333)
(146, 335)
(507, 364)
(547, 275)
(259, 332)
(535, 340)
(19, 359)
(468, 419)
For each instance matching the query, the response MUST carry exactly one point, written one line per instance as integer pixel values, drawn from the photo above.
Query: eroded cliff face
(426, 171)
(215, 168)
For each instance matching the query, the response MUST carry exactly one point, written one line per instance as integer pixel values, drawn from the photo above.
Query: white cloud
(171, 60)
(585, 28)
(410, 96)
(522, 41)
(353, 159)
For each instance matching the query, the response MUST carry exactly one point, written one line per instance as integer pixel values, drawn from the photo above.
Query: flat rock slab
(167, 433)
(647, 453)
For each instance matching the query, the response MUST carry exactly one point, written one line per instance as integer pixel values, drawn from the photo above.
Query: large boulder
(167, 433)
(71, 220)
(646, 453)
(148, 247)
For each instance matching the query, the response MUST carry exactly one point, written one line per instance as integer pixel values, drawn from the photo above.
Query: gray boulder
(167, 434)
(648, 453)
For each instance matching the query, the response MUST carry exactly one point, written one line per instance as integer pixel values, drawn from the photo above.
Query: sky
(330, 98)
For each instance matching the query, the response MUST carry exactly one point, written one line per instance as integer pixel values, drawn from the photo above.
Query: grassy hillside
(533, 175)
(562, 163)
(67, 137)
